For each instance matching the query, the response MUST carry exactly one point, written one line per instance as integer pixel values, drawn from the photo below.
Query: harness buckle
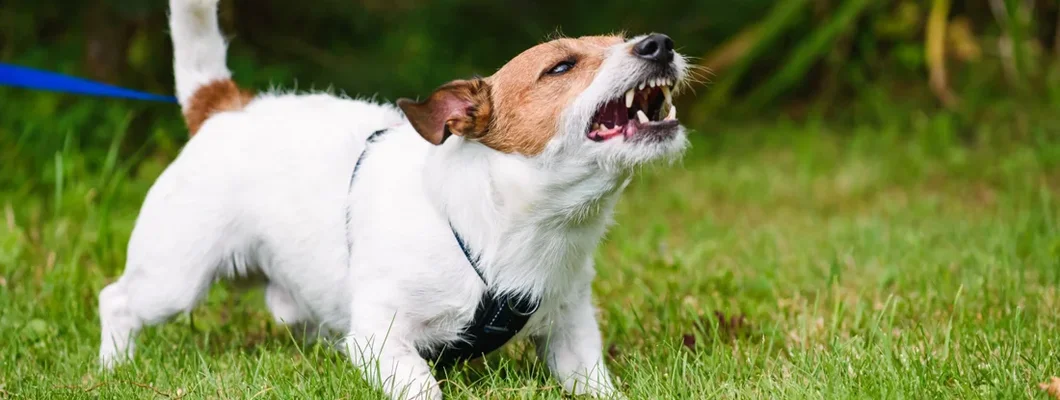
(530, 309)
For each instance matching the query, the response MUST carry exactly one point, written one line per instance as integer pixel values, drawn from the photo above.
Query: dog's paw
(418, 390)
(606, 393)
(109, 360)
(431, 394)
(202, 4)
(600, 387)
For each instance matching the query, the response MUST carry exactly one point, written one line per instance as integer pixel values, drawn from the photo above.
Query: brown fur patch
(527, 103)
(462, 107)
(478, 116)
(215, 97)
(517, 110)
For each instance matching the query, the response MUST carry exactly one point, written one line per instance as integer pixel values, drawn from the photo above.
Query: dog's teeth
(666, 94)
(652, 83)
(642, 117)
(641, 87)
(673, 113)
(629, 98)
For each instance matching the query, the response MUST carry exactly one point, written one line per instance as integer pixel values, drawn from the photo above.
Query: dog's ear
(461, 107)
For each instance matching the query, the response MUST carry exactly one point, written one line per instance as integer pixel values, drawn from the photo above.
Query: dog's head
(601, 98)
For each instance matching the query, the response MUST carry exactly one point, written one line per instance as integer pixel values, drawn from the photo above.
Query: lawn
(910, 257)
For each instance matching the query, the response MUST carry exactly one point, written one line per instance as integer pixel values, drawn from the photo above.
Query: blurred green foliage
(791, 56)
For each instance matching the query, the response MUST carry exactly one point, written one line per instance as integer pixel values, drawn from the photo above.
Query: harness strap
(467, 253)
(498, 317)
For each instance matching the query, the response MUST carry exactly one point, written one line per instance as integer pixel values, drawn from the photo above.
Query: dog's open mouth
(645, 111)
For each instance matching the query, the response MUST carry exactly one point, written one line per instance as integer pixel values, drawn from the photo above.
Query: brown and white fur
(526, 164)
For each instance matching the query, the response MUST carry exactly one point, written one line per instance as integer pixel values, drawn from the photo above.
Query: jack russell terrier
(436, 230)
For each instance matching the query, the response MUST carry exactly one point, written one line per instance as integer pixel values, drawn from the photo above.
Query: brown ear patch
(528, 102)
(217, 96)
(460, 108)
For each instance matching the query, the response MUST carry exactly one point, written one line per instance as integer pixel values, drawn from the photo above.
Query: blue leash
(15, 76)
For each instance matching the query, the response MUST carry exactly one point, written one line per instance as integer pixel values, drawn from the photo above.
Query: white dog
(357, 213)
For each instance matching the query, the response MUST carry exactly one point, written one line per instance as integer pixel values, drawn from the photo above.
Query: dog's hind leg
(117, 323)
(286, 311)
(143, 298)
(174, 256)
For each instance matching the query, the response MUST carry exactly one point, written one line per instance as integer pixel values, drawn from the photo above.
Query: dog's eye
(562, 67)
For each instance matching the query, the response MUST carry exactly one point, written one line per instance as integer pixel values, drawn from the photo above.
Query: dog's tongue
(629, 130)
(605, 134)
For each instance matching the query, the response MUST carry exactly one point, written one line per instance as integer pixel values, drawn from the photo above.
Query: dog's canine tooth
(673, 113)
(629, 98)
(642, 117)
(667, 94)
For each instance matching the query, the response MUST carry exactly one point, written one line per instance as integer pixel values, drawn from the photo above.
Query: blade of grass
(935, 52)
(783, 15)
(806, 54)
(733, 50)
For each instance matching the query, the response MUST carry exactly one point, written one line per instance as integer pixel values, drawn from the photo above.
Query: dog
(414, 230)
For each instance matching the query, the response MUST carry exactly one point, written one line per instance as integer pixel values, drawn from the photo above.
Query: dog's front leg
(387, 361)
(573, 350)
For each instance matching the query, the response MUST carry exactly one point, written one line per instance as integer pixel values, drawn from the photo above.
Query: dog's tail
(204, 83)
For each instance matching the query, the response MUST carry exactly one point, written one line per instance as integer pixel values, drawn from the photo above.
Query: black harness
(498, 317)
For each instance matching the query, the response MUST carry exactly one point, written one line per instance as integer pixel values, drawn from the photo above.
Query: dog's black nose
(656, 47)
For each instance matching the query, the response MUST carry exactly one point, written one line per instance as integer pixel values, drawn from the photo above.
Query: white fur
(198, 47)
(266, 190)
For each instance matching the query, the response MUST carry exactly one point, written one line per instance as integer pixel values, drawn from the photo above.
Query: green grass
(910, 259)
